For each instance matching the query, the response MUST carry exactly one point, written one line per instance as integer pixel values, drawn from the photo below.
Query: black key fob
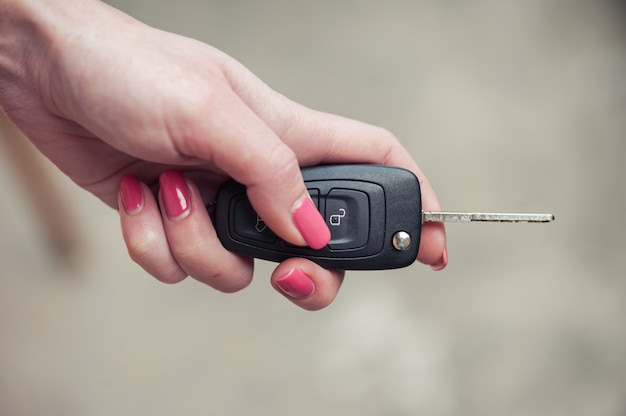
(373, 213)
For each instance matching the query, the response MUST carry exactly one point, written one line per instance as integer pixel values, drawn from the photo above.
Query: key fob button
(249, 225)
(347, 217)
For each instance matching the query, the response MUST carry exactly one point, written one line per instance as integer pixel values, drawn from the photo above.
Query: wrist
(37, 40)
(18, 35)
(29, 36)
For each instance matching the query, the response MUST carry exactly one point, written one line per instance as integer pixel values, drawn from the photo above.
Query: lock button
(348, 218)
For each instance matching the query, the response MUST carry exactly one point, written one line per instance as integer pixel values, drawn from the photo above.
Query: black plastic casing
(394, 200)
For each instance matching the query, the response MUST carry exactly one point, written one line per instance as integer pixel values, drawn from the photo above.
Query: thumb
(248, 150)
(285, 188)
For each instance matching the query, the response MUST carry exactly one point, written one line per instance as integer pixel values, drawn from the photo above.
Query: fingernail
(296, 284)
(442, 263)
(174, 194)
(132, 194)
(311, 224)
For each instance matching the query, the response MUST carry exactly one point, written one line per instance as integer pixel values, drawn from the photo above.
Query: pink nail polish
(132, 194)
(311, 224)
(296, 284)
(174, 194)
(442, 263)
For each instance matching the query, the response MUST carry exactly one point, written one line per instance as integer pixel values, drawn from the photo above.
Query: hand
(112, 101)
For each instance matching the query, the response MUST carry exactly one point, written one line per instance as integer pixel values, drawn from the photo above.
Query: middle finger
(192, 238)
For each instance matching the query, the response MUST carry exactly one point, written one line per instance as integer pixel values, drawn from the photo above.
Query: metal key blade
(484, 217)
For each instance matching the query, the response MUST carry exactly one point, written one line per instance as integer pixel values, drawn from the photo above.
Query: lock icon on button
(347, 217)
(335, 220)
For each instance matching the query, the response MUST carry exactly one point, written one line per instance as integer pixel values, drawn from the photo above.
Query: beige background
(506, 105)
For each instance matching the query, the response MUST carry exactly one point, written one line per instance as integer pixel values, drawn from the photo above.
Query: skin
(108, 95)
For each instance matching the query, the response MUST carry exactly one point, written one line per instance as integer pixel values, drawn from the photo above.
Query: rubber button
(249, 225)
(348, 218)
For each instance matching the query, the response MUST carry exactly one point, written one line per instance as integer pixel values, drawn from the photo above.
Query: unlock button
(347, 216)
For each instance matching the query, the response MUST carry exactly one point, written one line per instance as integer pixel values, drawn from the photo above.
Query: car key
(374, 214)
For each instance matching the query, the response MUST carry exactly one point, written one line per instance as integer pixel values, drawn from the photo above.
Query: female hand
(154, 122)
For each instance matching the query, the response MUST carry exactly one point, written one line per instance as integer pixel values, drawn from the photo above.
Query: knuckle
(218, 272)
(146, 253)
(142, 250)
(279, 162)
(277, 176)
(188, 253)
(182, 123)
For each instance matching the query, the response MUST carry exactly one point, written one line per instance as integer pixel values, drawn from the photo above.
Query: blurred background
(506, 105)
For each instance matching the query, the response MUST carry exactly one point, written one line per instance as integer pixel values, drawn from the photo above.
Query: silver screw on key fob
(374, 214)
